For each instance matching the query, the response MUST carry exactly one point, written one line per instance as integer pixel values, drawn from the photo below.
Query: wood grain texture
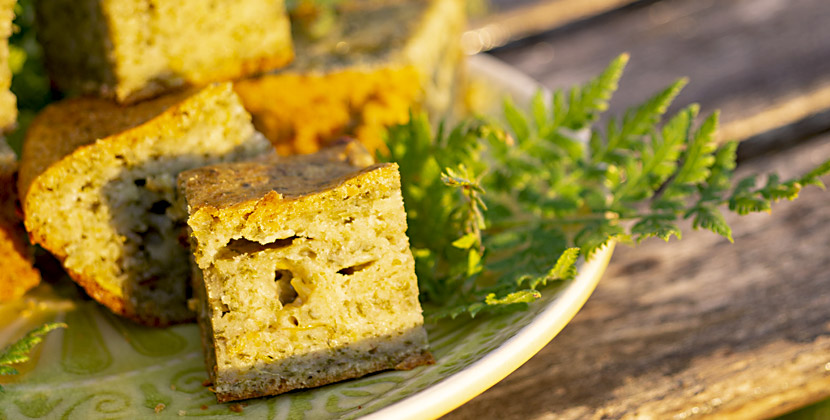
(509, 21)
(764, 63)
(694, 328)
(699, 327)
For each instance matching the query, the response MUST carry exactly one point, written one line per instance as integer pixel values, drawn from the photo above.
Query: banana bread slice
(377, 62)
(98, 189)
(136, 49)
(17, 274)
(303, 272)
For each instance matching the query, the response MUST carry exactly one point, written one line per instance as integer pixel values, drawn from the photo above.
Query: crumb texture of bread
(380, 61)
(305, 276)
(8, 102)
(17, 275)
(136, 49)
(98, 190)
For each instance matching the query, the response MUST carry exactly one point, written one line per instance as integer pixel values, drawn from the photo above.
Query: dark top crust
(225, 185)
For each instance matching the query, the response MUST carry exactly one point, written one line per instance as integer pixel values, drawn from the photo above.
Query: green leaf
(720, 172)
(516, 120)
(640, 121)
(775, 190)
(18, 352)
(710, 218)
(540, 112)
(812, 177)
(660, 225)
(466, 241)
(597, 235)
(659, 158)
(565, 267)
(522, 296)
(473, 262)
(498, 210)
(587, 102)
(698, 157)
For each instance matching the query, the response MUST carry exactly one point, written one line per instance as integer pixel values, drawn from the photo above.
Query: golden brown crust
(17, 274)
(114, 303)
(415, 360)
(78, 122)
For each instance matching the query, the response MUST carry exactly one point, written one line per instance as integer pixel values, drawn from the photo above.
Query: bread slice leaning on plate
(303, 272)
(98, 190)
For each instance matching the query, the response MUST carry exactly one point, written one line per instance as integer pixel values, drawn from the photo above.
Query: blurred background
(701, 327)
(691, 329)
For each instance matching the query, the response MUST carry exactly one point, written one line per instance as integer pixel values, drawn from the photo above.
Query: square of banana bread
(377, 62)
(135, 49)
(303, 271)
(98, 188)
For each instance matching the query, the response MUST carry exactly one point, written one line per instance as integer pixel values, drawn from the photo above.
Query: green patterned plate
(106, 367)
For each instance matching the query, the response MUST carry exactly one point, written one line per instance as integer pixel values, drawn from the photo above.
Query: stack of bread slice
(161, 199)
(80, 154)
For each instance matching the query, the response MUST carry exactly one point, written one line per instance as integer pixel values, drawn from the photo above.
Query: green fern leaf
(18, 352)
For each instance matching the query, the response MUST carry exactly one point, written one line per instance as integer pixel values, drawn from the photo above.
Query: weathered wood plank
(509, 21)
(696, 327)
(764, 63)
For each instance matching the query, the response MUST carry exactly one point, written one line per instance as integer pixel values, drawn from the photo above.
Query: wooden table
(698, 327)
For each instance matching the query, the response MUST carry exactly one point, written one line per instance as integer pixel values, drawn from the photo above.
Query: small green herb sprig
(496, 211)
(18, 352)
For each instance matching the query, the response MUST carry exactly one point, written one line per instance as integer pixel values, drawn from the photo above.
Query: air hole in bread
(285, 291)
(348, 271)
(159, 207)
(245, 246)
